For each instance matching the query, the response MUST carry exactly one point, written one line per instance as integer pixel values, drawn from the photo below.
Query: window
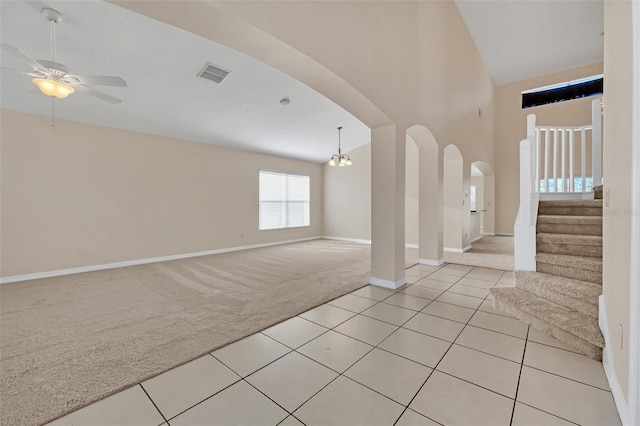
(577, 185)
(284, 200)
(566, 91)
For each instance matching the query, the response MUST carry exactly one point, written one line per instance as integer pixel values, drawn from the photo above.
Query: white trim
(91, 268)
(607, 363)
(431, 262)
(634, 249)
(386, 283)
(350, 240)
(489, 234)
(477, 238)
(457, 250)
(504, 234)
(411, 246)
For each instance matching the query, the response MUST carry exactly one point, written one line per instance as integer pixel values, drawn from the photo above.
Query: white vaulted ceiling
(164, 97)
(520, 39)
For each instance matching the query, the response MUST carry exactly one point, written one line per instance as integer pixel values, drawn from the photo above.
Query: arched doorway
(424, 195)
(482, 200)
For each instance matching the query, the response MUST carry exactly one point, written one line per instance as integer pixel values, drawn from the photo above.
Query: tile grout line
(551, 414)
(359, 359)
(154, 404)
(243, 379)
(337, 372)
(567, 378)
(445, 354)
(438, 363)
(515, 398)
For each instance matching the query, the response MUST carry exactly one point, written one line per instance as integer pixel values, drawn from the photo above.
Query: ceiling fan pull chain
(53, 114)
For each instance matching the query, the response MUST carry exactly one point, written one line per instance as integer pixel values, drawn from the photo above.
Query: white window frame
(285, 218)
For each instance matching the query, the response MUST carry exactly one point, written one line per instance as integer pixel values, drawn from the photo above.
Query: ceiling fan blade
(20, 71)
(96, 93)
(101, 80)
(36, 5)
(19, 54)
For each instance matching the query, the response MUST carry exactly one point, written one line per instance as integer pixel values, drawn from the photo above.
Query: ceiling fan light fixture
(53, 88)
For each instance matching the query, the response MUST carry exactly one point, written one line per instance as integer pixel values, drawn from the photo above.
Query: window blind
(284, 200)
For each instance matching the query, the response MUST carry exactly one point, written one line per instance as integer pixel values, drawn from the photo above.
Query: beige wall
(511, 128)
(617, 143)
(87, 195)
(347, 197)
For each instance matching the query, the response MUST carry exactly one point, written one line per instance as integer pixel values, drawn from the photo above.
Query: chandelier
(340, 159)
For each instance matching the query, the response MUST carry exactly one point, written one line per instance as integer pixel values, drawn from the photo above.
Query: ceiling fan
(54, 79)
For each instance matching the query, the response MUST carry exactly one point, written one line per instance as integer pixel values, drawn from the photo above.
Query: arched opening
(423, 214)
(455, 201)
(482, 200)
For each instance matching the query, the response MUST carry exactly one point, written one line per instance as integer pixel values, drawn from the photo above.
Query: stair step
(570, 207)
(579, 295)
(574, 329)
(571, 244)
(564, 224)
(571, 203)
(576, 267)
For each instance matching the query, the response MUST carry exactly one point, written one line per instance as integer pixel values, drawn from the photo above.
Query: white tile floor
(433, 352)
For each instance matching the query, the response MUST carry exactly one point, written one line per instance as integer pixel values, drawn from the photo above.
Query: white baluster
(547, 143)
(537, 147)
(555, 161)
(571, 160)
(564, 149)
(583, 158)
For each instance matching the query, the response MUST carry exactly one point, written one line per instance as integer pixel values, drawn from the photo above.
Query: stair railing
(557, 160)
(552, 148)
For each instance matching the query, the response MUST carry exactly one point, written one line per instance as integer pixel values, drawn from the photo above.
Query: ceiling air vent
(213, 73)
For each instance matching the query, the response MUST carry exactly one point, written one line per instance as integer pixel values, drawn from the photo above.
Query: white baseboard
(607, 363)
(477, 238)
(503, 234)
(457, 250)
(412, 246)
(488, 234)
(350, 240)
(91, 268)
(386, 283)
(431, 262)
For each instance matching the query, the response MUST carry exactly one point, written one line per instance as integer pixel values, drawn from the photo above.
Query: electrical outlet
(607, 197)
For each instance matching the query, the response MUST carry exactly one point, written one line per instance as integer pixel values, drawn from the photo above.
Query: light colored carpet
(490, 251)
(69, 341)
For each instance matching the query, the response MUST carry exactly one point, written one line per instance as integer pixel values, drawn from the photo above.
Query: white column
(430, 205)
(387, 206)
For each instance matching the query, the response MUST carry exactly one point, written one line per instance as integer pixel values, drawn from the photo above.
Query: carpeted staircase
(561, 298)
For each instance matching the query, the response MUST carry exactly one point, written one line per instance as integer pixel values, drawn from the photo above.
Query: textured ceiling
(164, 97)
(520, 39)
